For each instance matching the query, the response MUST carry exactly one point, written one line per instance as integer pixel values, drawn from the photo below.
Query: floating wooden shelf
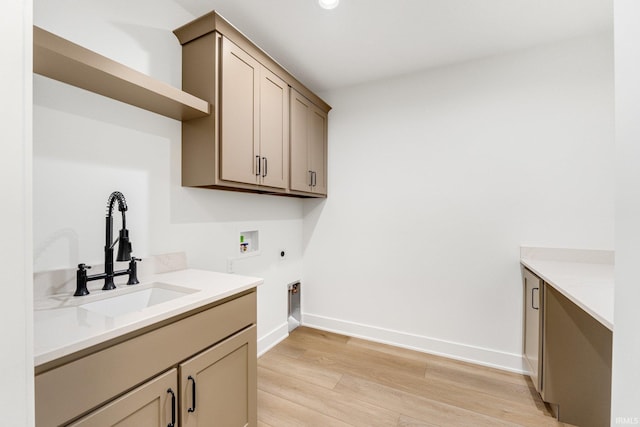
(70, 63)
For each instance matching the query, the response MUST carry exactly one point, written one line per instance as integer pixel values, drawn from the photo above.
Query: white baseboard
(482, 356)
(272, 338)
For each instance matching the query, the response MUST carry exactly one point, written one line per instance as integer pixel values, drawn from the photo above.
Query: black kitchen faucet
(124, 252)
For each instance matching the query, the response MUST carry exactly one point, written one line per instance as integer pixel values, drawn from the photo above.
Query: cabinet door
(274, 130)
(150, 405)
(532, 326)
(577, 362)
(308, 141)
(219, 385)
(317, 142)
(300, 171)
(239, 115)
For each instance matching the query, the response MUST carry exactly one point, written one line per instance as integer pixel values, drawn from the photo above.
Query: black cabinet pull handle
(315, 181)
(310, 178)
(257, 165)
(173, 408)
(264, 167)
(532, 306)
(193, 391)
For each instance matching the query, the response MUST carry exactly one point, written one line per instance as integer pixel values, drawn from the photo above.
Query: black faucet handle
(133, 271)
(81, 280)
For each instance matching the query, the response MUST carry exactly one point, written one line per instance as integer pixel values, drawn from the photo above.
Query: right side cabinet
(308, 139)
(576, 362)
(532, 342)
(568, 354)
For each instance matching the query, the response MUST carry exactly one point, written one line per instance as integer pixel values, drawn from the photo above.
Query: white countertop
(589, 285)
(62, 328)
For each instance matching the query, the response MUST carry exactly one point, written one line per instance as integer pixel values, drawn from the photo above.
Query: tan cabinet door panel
(533, 288)
(577, 362)
(300, 171)
(317, 141)
(219, 386)
(150, 405)
(308, 146)
(274, 130)
(239, 113)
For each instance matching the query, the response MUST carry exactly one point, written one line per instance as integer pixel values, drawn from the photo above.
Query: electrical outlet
(230, 265)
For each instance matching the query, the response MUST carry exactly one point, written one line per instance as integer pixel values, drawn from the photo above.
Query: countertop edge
(148, 320)
(530, 264)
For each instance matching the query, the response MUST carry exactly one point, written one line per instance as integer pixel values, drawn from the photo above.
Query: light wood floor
(316, 378)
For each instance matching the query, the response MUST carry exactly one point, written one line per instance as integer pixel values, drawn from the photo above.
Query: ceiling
(363, 40)
(367, 40)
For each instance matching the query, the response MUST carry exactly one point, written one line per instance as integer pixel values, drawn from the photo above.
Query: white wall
(16, 305)
(626, 338)
(437, 178)
(86, 146)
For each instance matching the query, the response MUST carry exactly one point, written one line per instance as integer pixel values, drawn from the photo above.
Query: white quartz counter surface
(62, 328)
(588, 285)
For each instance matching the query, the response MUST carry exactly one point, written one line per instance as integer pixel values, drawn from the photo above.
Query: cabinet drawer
(73, 389)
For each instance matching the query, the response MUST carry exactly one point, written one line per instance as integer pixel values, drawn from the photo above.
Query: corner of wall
(271, 339)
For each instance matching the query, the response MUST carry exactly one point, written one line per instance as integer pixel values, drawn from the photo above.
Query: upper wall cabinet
(246, 143)
(308, 146)
(62, 60)
(254, 118)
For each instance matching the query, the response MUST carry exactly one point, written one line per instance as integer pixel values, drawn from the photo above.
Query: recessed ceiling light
(328, 4)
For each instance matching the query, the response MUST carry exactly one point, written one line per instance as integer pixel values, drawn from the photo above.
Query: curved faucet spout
(124, 250)
(124, 245)
(122, 203)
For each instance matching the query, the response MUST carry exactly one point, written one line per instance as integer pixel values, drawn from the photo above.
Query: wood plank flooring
(316, 378)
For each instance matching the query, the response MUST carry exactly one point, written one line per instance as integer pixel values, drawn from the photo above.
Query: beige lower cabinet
(308, 146)
(152, 404)
(532, 342)
(577, 362)
(216, 388)
(195, 370)
(568, 354)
